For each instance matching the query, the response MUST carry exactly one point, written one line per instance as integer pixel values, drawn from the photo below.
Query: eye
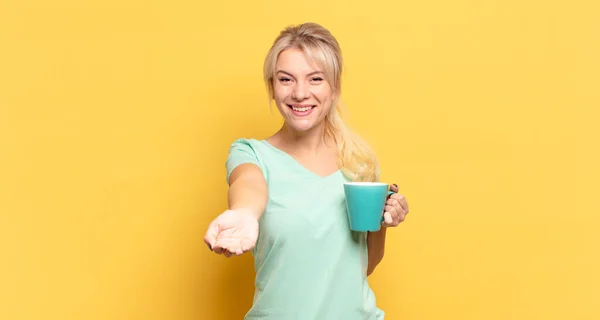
(317, 79)
(284, 79)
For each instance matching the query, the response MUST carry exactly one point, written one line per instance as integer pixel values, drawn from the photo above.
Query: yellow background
(116, 117)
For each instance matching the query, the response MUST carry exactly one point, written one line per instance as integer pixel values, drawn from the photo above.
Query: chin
(302, 125)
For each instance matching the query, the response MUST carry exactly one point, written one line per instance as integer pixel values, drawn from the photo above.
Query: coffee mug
(365, 202)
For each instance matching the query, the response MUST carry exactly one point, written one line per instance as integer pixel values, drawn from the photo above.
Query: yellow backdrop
(116, 117)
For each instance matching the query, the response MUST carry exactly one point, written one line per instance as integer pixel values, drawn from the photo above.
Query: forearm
(376, 248)
(248, 194)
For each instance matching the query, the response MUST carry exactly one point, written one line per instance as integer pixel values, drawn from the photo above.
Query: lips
(301, 110)
(301, 107)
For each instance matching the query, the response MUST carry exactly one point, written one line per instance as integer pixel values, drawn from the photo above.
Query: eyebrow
(310, 74)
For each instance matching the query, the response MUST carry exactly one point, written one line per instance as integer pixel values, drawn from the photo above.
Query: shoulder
(249, 150)
(246, 146)
(245, 142)
(245, 151)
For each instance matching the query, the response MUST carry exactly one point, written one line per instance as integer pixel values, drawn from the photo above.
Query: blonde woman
(286, 198)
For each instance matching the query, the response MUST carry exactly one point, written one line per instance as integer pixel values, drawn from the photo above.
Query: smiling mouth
(301, 108)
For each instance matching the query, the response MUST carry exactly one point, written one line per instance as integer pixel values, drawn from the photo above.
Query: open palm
(232, 232)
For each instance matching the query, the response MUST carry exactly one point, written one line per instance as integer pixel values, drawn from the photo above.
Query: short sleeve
(241, 151)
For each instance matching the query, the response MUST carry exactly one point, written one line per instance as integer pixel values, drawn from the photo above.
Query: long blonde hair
(356, 159)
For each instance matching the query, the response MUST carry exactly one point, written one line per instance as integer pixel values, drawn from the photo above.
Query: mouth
(301, 110)
(301, 107)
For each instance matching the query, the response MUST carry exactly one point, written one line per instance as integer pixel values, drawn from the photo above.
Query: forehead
(296, 61)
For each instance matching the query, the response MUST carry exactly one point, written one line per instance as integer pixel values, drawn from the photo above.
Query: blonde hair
(356, 159)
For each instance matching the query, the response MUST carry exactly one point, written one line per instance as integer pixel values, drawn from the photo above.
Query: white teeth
(301, 109)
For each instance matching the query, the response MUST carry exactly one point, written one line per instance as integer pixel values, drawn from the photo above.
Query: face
(301, 93)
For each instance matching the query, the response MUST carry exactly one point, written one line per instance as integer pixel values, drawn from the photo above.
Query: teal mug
(365, 202)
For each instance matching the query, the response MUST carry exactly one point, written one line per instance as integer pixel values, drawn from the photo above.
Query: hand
(396, 208)
(232, 233)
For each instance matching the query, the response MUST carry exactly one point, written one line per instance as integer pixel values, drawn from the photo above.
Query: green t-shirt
(309, 264)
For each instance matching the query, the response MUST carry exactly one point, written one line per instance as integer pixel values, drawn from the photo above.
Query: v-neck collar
(297, 163)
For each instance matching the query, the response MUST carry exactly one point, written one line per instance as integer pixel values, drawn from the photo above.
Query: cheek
(325, 97)
(281, 92)
(280, 96)
(323, 93)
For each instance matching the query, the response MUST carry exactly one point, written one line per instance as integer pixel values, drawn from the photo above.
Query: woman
(286, 198)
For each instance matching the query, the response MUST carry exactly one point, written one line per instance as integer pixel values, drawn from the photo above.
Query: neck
(311, 141)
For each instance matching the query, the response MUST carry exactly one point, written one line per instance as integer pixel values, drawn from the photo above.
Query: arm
(235, 231)
(248, 190)
(376, 248)
(396, 210)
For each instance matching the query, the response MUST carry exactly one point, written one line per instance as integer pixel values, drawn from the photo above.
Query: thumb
(387, 218)
(210, 238)
(394, 188)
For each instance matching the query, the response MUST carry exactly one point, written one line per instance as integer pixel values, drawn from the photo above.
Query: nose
(300, 91)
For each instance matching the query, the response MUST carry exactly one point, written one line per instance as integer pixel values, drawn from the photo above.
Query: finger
(400, 213)
(401, 200)
(404, 204)
(394, 214)
(227, 253)
(230, 245)
(394, 188)
(234, 245)
(391, 211)
(211, 235)
(247, 244)
(208, 243)
(387, 218)
(218, 249)
(396, 204)
(239, 249)
(400, 218)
